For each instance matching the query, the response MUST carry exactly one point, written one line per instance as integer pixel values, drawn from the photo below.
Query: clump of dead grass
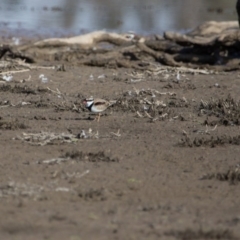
(11, 125)
(161, 73)
(99, 194)
(45, 138)
(231, 175)
(79, 156)
(149, 103)
(90, 157)
(226, 110)
(209, 141)
(190, 234)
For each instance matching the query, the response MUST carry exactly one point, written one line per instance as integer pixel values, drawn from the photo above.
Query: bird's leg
(99, 117)
(96, 117)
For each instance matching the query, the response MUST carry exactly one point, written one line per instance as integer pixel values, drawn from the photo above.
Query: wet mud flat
(163, 162)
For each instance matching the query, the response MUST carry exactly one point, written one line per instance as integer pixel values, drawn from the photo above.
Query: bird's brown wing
(99, 102)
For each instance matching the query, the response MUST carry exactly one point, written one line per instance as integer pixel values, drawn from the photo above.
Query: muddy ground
(162, 163)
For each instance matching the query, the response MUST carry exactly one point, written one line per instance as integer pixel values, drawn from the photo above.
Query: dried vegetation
(231, 175)
(150, 103)
(226, 110)
(190, 234)
(209, 141)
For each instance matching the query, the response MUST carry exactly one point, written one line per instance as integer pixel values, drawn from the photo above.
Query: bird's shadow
(90, 117)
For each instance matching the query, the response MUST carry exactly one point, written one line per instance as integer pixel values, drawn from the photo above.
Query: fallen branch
(86, 40)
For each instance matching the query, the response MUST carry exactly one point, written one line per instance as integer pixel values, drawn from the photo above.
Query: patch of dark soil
(68, 107)
(90, 157)
(39, 118)
(178, 102)
(14, 229)
(120, 78)
(152, 208)
(53, 102)
(231, 175)
(226, 110)
(21, 89)
(93, 194)
(11, 125)
(70, 104)
(212, 141)
(190, 234)
(209, 141)
(187, 86)
(42, 103)
(57, 217)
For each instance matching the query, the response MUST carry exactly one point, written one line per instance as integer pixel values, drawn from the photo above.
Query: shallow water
(66, 17)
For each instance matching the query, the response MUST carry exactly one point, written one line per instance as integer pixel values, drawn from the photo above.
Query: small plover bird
(97, 105)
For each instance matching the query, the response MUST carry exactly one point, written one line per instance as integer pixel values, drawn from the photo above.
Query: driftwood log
(212, 45)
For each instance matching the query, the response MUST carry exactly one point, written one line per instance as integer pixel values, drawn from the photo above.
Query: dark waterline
(71, 17)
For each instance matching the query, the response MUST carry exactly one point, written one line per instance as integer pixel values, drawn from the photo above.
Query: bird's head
(88, 101)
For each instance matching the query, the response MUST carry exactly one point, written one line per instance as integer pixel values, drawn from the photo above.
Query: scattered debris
(101, 76)
(146, 103)
(43, 78)
(53, 161)
(90, 157)
(89, 134)
(63, 189)
(117, 134)
(91, 77)
(60, 68)
(207, 130)
(16, 41)
(20, 189)
(7, 77)
(44, 138)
